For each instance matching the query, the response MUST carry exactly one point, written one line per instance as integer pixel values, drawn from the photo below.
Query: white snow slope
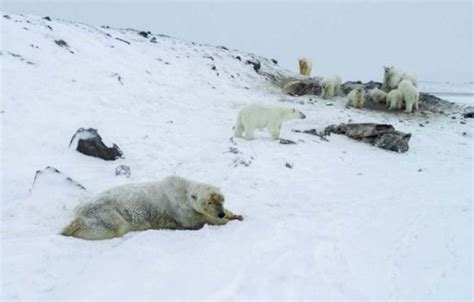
(348, 221)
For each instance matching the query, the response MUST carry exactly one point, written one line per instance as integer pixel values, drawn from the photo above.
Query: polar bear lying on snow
(330, 86)
(259, 117)
(392, 77)
(173, 203)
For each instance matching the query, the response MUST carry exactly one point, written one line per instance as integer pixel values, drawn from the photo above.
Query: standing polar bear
(392, 77)
(378, 96)
(356, 98)
(173, 203)
(394, 99)
(410, 95)
(331, 86)
(305, 66)
(259, 117)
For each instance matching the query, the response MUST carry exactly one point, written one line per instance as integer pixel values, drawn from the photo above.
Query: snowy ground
(348, 221)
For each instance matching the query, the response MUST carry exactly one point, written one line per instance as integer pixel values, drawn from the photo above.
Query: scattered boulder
(50, 175)
(468, 114)
(347, 87)
(380, 135)
(286, 141)
(256, 64)
(6, 17)
(61, 43)
(122, 40)
(274, 61)
(144, 34)
(222, 47)
(123, 170)
(289, 166)
(47, 18)
(90, 143)
(153, 40)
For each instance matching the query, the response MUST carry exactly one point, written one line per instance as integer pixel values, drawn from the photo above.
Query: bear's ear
(386, 68)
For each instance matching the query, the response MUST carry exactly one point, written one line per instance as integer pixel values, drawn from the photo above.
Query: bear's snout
(221, 215)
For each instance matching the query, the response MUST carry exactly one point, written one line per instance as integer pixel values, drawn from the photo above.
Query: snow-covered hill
(347, 221)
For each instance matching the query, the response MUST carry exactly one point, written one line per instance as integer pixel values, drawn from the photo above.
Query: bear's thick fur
(410, 95)
(378, 96)
(356, 98)
(392, 77)
(173, 203)
(305, 66)
(259, 117)
(394, 99)
(331, 86)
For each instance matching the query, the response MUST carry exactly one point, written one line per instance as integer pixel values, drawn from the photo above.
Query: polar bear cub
(259, 117)
(330, 86)
(392, 77)
(394, 99)
(173, 203)
(356, 98)
(305, 66)
(378, 96)
(410, 95)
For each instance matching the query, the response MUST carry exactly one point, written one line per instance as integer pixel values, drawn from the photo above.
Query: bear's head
(388, 69)
(296, 114)
(208, 200)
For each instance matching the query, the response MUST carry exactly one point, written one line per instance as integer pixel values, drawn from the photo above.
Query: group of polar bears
(179, 203)
(398, 88)
(175, 202)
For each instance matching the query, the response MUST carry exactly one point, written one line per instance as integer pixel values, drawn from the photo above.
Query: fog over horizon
(433, 40)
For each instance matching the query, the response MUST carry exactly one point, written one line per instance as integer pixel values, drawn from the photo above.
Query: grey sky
(353, 38)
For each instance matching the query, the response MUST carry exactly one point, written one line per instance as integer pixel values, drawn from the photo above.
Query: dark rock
(153, 40)
(238, 58)
(123, 170)
(49, 27)
(61, 43)
(380, 135)
(274, 61)
(58, 175)
(256, 64)
(47, 18)
(468, 115)
(122, 40)
(144, 34)
(90, 143)
(213, 67)
(302, 87)
(286, 141)
(209, 57)
(6, 17)
(223, 47)
(289, 166)
(350, 85)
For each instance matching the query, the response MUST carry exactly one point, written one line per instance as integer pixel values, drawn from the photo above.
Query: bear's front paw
(239, 217)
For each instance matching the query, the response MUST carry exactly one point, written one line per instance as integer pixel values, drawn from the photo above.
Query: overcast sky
(433, 39)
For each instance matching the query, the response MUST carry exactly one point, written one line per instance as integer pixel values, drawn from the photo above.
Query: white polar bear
(331, 86)
(394, 99)
(173, 203)
(258, 117)
(356, 98)
(410, 95)
(378, 96)
(392, 77)
(305, 66)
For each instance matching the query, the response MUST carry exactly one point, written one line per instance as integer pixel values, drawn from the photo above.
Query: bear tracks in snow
(380, 135)
(90, 143)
